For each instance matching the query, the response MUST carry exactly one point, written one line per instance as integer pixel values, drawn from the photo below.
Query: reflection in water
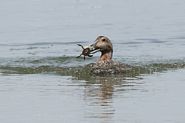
(99, 91)
(99, 94)
(99, 97)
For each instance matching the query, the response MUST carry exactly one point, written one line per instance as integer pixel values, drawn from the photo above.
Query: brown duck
(105, 65)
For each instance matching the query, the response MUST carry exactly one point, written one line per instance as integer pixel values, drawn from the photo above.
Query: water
(38, 80)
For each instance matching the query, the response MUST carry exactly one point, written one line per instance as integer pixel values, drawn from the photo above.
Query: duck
(105, 65)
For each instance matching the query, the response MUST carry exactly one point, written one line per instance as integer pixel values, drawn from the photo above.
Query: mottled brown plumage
(105, 64)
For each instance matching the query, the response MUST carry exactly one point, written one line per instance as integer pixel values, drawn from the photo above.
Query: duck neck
(106, 56)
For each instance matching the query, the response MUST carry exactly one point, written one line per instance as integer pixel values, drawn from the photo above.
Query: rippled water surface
(41, 80)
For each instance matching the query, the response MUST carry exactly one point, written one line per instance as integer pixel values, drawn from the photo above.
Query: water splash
(71, 66)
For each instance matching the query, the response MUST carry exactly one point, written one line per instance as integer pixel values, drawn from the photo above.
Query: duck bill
(93, 48)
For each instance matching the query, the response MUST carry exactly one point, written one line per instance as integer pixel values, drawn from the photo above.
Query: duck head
(103, 45)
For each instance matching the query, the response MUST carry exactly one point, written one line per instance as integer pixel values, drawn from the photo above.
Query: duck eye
(103, 39)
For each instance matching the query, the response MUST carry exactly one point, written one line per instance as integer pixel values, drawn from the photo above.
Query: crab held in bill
(86, 51)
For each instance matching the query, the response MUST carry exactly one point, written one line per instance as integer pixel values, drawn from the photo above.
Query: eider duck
(105, 65)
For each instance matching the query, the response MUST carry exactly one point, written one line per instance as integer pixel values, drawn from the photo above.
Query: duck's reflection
(98, 95)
